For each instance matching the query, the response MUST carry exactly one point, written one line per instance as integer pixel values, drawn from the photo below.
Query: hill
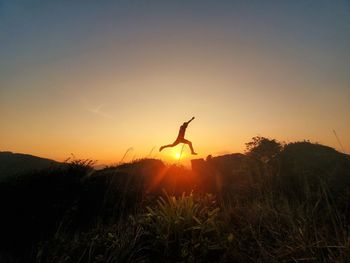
(18, 163)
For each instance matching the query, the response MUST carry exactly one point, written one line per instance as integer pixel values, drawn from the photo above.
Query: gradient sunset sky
(95, 78)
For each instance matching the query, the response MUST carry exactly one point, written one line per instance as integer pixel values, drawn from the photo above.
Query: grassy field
(276, 203)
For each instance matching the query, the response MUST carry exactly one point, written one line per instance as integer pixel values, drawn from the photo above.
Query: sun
(177, 156)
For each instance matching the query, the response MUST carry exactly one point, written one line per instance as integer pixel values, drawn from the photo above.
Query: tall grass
(276, 226)
(119, 242)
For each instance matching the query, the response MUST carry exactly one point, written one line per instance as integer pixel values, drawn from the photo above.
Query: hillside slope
(18, 163)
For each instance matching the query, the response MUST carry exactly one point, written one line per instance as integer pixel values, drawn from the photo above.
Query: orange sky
(118, 76)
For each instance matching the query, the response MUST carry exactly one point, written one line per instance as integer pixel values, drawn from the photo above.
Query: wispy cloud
(99, 111)
(85, 103)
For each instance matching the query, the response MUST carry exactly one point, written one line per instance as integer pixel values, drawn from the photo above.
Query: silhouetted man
(181, 138)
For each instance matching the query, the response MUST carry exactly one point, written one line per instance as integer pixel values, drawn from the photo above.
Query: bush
(184, 228)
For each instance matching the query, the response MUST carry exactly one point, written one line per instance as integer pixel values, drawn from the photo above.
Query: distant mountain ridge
(19, 163)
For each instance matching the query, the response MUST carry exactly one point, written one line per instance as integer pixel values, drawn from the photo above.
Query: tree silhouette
(263, 149)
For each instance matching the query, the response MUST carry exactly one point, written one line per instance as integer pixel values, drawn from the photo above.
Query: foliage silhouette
(293, 207)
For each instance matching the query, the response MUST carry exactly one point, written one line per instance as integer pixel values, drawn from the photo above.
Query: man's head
(185, 124)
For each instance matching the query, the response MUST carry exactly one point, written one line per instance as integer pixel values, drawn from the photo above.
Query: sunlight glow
(177, 156)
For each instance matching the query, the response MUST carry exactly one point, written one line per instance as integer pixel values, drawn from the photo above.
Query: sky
(114, 80)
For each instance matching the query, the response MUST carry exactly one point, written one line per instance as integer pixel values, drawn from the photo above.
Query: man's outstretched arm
(190, 120)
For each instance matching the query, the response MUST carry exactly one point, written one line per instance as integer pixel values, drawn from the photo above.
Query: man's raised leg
(169, 145)
(189, 143)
